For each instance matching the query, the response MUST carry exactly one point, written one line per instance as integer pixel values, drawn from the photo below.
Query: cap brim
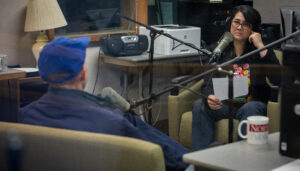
(84, 40)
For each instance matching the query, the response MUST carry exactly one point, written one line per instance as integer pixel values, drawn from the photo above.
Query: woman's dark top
(259, 90)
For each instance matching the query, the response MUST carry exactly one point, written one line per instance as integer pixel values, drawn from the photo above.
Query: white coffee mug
(257, 129)
(3, 62)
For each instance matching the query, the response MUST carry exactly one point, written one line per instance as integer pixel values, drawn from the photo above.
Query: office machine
(166, 46)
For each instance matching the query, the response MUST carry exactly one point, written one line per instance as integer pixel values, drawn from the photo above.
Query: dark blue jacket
(78, 110)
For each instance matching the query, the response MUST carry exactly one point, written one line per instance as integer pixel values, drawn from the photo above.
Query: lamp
(42, 15)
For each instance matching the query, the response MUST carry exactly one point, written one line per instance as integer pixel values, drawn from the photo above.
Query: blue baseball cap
(62, 59)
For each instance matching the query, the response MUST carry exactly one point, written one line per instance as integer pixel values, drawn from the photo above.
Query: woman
(244, 25)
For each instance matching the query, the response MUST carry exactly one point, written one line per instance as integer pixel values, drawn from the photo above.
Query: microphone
(116, 99)
(223, 43)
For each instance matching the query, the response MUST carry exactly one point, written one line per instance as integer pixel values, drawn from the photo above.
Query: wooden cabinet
(10, 94)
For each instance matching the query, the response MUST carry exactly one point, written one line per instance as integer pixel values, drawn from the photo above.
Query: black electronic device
(290, 93)
(124, 44)
(211, 17)
(290, 104)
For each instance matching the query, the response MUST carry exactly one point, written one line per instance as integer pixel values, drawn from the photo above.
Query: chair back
(45, 148)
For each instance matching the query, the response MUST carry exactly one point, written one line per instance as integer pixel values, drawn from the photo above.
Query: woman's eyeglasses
(244, 25)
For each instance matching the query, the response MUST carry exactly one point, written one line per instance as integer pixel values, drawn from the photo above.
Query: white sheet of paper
(240, 86)
(221, 88)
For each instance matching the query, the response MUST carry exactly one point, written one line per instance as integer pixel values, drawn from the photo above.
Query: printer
(167, 46)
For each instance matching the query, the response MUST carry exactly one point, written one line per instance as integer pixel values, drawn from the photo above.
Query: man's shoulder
(53, 105)
(87, 118)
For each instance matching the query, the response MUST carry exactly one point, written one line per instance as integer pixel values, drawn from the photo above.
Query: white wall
(13, 40)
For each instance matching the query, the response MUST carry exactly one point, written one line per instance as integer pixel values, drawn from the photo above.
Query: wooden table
(10, 94)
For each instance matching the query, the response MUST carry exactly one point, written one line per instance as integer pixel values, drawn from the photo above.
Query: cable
(98, 70)
(174, 47)
(157, 36)
(123, 87)
(200, 58)
(131, 15)
(159, 112)
(159, 12)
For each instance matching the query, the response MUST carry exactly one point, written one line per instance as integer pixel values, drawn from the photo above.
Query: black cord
(157, 36)
(174, 47)
(159, 11)
(199, 53)
(154, 39)
(98, 70)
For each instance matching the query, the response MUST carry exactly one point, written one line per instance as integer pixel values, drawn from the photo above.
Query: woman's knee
(256, 105)
(198, 105)
(253, 108)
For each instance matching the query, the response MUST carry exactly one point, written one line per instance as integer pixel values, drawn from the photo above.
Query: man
(66, 105)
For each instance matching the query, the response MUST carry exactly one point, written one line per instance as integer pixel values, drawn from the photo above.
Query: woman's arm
(270, 58)
(256, 39)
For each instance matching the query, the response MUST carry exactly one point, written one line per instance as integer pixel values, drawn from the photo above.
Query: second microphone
(116, 99)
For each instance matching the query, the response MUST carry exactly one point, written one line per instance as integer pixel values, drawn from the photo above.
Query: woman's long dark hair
(253, 17)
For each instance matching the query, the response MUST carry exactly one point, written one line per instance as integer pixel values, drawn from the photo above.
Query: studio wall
(270, 9)
(13, 40)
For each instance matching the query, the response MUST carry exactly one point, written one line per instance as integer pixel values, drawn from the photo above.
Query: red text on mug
(258, 128)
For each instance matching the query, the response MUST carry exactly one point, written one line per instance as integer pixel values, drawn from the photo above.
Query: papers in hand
(221, 87)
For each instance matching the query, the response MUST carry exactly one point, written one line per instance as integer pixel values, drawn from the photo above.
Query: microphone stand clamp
(220, 69)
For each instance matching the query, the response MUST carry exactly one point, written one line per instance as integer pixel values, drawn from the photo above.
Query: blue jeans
(203, 123)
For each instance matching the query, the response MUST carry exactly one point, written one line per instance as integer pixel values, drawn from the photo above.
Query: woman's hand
(213, 102)
(256, 39)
